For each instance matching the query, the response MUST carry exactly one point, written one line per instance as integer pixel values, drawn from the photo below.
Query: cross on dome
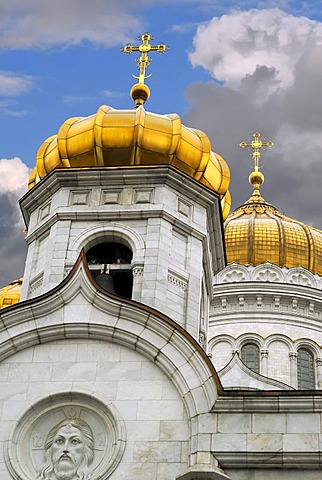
(141, 92)
(144, 60)
(256, 178)
(256, 144)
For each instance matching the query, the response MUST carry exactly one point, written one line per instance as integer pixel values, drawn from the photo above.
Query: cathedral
(155, 335)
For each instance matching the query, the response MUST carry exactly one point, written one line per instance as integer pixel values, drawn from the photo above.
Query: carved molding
(268, 272)
(36, 283)
(177, 281)
(291, 303)
(137, 271)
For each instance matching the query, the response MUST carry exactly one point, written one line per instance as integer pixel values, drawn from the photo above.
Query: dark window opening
(305, 370)
(110, 266)
(250, 356)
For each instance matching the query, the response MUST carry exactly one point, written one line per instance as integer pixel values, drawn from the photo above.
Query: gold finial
(141, 92)
(256, 178)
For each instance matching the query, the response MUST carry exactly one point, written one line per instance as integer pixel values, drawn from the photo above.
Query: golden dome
(10, 294)
(118, 138)
(257, 232)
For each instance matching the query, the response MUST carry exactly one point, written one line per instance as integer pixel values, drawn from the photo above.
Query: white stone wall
(155, 421)
(256, 436)
(278, 309)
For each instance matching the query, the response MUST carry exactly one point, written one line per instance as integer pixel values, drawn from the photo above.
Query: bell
(106, 281)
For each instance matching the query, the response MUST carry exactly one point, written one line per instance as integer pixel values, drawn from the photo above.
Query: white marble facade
(142, 385)
(278, 309)
(146, 389)
(93, 386)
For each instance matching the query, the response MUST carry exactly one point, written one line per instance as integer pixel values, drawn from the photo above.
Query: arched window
(305, 370)
(110, 265)
(250, 356)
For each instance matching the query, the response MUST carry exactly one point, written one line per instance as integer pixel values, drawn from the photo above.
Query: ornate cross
(144, 60)
(256, 144)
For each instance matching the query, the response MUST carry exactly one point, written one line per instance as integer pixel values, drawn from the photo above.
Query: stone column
(293, 369)
(319, 373)
(264, 362)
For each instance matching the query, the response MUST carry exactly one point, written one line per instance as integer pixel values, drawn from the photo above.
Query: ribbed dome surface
(118, 138)
(10, 294)
(257, 232)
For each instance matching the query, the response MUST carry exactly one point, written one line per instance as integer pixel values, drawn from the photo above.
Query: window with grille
(305, 370)
(250, 356)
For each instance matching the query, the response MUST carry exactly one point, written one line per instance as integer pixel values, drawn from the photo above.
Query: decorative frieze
(36, 284)
(177, 281)
(270, 273)
(268, 303)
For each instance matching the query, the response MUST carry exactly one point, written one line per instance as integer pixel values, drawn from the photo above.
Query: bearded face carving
(69, 450)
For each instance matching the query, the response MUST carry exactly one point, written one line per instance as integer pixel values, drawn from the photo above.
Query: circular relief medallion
(69, 436)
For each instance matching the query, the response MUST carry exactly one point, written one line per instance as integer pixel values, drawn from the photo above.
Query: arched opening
(305, 370)
(250, 356)
(110, 265)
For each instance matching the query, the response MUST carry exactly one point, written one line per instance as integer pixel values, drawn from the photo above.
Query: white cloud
(13, 184)
(235, 46)
(12, 84)
(14, 175)
(290, 116)
(44, 23)
(110, 94)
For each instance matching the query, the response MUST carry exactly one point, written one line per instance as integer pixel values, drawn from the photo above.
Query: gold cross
(144, 61)
(256, 144)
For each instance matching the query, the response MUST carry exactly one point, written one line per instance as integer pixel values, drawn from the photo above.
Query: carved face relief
(69, 451)
(67, 436)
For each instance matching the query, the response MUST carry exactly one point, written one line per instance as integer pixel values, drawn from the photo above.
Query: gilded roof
(10, 294)
(117, 138)
(256, 232)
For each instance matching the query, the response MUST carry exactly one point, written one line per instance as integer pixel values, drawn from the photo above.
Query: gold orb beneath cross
(140, 93)
(256, 179)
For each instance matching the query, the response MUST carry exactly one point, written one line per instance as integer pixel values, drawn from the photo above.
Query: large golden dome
(10, 295)
(133, 138)
(256, 232)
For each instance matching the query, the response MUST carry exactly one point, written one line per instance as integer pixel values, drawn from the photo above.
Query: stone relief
(66, 437)
(267, 272)
(69, 451)
(299, 277)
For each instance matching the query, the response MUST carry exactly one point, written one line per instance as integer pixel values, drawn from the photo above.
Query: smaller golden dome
(10, 295)
(256, 232)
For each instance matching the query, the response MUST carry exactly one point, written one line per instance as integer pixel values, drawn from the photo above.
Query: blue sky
(233, 67)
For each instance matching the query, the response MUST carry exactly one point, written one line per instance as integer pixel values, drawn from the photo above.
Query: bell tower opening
(110, 266)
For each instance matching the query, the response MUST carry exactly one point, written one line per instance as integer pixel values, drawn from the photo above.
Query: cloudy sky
(234, 67)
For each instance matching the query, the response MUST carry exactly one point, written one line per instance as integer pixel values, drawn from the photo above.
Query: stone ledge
(202, 472)
(284, 460)
(274, 402)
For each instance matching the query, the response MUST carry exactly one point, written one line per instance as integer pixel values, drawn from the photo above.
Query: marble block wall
(156, 440)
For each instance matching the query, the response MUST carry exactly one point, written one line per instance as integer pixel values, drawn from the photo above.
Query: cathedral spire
(141, 92)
